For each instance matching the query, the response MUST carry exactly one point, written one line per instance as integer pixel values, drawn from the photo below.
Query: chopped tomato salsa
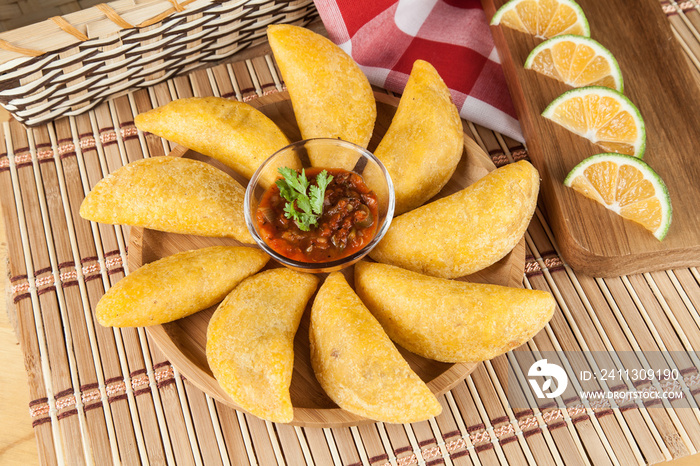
(348, 221)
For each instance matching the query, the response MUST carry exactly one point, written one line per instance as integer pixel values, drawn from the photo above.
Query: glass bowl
(322, 153)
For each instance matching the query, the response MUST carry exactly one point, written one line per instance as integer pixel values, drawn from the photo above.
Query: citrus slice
(627, 186)
(543, 18)
(601, 115)
(577, 61)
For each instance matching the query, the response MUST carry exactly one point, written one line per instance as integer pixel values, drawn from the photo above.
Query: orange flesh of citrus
(543, 18)
(601, 117)
(564, 21)
(527, 12)
(546, 9)
(512, 20)
(595, 70)
(576, 63)
(623, 188)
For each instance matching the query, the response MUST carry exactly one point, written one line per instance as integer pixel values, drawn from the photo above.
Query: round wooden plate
(183, 341)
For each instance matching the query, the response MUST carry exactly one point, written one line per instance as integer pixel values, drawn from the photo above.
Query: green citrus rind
(597, 46)
(496, 20)
(649, 174)
(640, 143)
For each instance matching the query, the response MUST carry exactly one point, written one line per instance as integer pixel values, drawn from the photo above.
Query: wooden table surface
(17, 442)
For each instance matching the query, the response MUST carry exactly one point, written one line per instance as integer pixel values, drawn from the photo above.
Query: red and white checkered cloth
(385, 37)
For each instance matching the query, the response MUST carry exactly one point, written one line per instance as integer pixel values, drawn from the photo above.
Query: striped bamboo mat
(108, 395)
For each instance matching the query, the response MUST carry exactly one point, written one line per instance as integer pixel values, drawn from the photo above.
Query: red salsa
(348, 221)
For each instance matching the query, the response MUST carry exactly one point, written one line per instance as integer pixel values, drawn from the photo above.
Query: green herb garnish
(293, 189)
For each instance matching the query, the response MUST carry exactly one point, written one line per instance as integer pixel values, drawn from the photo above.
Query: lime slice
(601, 115)
(577, 61)
(543, 18)
(627, 186)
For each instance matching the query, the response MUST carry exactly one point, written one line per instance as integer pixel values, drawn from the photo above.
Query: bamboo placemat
(108, 395)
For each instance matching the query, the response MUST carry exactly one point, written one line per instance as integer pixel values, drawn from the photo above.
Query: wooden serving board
(183, 341)
(658, 80)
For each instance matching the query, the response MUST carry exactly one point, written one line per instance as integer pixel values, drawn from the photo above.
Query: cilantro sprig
(293, 188)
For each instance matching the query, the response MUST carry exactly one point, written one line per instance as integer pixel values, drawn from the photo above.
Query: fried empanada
(177, 286)
(330, 95)
(357, 364)
(232, 132)
(467, 231)
(171, 194)
(449, 320)
(250, 341)
(424, 142)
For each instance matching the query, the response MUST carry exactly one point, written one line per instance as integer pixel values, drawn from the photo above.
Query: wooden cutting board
(658, 79)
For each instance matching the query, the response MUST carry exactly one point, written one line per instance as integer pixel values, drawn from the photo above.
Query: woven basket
(67, 65)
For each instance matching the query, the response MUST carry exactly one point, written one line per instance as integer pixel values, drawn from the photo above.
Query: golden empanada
(250, 341)
(449, 320)
(357, 364)
(232, 132)
(176, 286)
(330, 95)
(171, 194)
(467, 231)
(424, 142)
